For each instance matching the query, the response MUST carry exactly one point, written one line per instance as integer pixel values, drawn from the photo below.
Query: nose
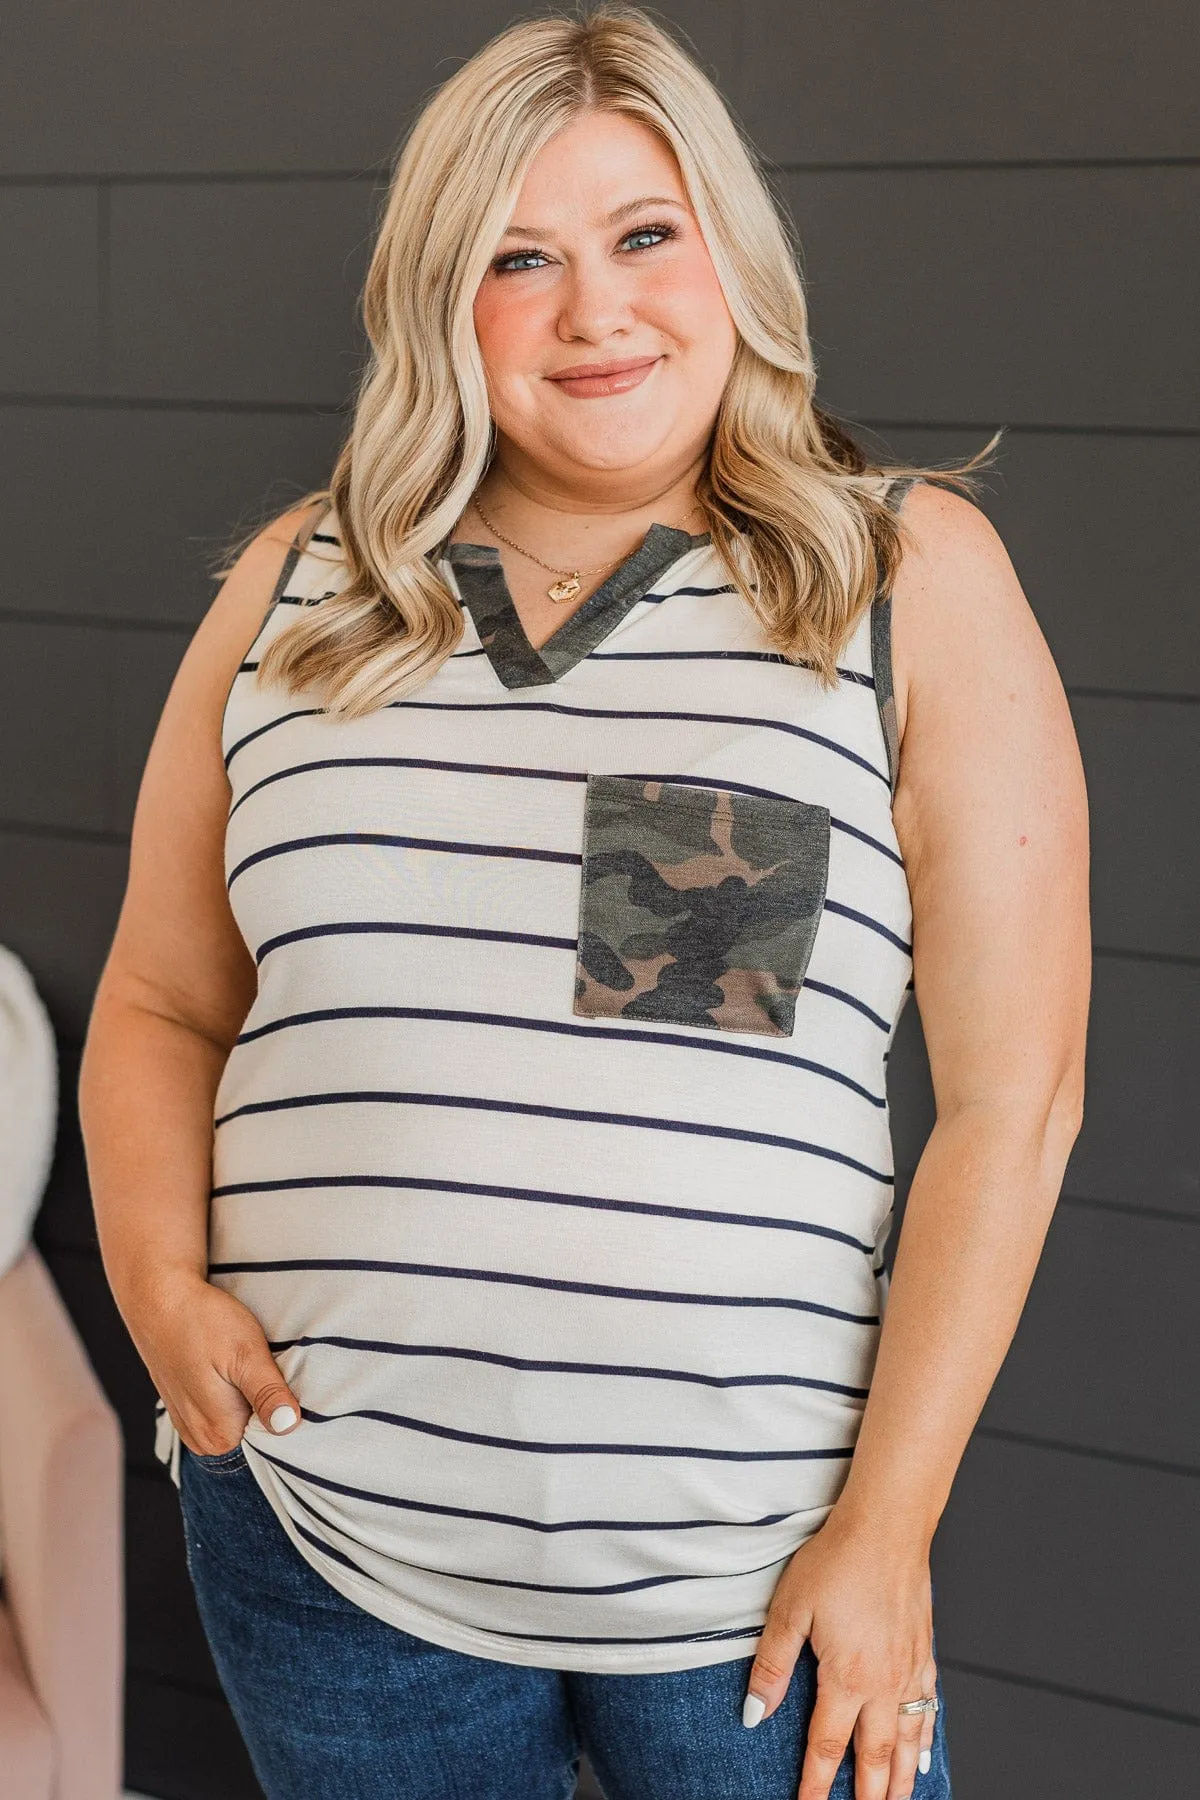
(597, 300)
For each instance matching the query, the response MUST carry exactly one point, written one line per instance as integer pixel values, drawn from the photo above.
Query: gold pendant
(565, 589)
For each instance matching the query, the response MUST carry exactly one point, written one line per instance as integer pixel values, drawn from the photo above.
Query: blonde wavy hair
(795, 509)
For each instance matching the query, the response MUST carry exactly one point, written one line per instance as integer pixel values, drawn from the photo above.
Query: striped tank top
(554, 1154)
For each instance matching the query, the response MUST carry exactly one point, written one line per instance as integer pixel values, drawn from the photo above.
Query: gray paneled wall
(992, 204)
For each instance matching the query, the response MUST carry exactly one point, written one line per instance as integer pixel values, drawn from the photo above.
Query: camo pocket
(699, 905)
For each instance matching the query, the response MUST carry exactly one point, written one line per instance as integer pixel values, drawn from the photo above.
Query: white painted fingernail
(283, 1418)
(753, 1708)
(925, 1761)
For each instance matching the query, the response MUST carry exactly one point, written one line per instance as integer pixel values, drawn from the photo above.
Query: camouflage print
(885, 698)
(699, 905)
(485, 593)
(881, 649)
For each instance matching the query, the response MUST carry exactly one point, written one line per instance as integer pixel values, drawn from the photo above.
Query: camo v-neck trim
(484, 589)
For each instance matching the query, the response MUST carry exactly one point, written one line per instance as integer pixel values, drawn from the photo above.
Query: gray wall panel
(231, 87)
(246, 291)
(239, 290)
(1142, 760)
(1007, 1739)
(78, 764)
(57, 757)
(942, 296)
(1140, 1143)
(1071, 1570)
(1095, 1361)
(1092, 523)
(906, 80)
(59, 901)
(123, 510)
(144, 673)
(49, 290)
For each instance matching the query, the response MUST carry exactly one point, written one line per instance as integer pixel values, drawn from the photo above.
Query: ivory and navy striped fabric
(554, 1154)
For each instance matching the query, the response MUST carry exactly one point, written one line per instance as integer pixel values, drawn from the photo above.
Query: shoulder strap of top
(316, 515)
(881, 645)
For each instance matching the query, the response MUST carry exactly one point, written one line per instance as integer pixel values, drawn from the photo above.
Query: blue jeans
(335, 1704)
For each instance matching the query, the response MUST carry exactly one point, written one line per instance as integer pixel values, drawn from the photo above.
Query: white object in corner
(28, 1105)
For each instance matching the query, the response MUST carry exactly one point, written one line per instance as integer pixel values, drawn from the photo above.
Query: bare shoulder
(957, 603)
(988, 742)
(244, 593)
(236, 613)
(176, 947)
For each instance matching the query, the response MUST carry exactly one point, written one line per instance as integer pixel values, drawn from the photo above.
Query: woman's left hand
(864, 1601)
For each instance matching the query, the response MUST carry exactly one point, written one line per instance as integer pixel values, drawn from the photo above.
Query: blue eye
(503, 264)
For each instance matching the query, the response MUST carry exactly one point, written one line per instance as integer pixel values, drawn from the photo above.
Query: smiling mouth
(597, 380)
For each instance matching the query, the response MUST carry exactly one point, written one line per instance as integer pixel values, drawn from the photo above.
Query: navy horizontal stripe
(579, 776)
(351, 928)
(546, 1365)
(836, 993)
(545, 1196)
(548, 1526)
(582, 1447)
(862, 918)
(532, 1109)
(595, 1590)
(300, 712)
(538, 941)
(754, 656)
(395, 840)
(627, 712)
(329, 1549)
(656, 596)
(686, 1637)
(616, 714)
(555, 1284)
(458, 1015)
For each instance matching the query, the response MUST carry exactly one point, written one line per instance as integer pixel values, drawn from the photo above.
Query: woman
(485, 1093)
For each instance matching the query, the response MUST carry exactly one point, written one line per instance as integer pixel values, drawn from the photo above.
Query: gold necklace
(565, 589)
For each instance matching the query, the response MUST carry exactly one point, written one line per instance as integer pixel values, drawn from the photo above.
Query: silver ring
(928, 1703)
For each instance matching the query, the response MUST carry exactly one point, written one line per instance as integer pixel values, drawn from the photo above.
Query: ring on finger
(928, 1703)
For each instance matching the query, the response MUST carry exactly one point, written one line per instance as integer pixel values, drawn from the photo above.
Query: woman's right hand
(208, 1357)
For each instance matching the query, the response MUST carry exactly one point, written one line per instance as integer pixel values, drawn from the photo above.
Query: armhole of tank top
(881, 649)
(296, 550)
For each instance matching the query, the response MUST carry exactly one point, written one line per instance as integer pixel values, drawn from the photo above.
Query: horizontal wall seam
(315, 409)
(1125, 1458)
(14, 615)
(1069, 1693)
(973, 165)
(68, 834)
(330, 409)
(1128, 1207)
(803, 166)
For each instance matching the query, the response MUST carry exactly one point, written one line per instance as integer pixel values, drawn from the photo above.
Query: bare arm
(175, 989)
(991, 816)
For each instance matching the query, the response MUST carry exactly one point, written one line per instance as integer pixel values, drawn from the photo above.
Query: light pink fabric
(62, 1629)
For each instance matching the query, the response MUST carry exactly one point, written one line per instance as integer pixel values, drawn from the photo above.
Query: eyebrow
(612, 218)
